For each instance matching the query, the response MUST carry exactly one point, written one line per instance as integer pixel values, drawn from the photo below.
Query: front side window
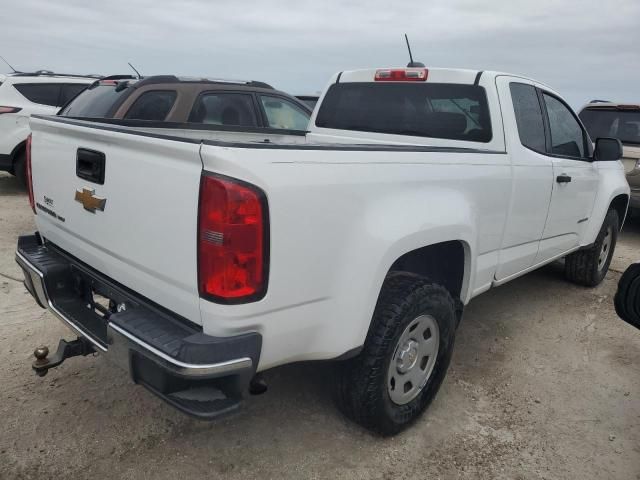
(42, 93)
(528, 116)
(227, 109)
(436, 110)
(567, 136)
(284, 114)
(152, 105)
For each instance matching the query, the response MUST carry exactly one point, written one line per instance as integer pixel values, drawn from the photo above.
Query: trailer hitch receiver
(75, 348)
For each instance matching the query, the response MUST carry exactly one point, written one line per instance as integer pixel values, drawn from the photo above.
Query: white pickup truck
(198, 258)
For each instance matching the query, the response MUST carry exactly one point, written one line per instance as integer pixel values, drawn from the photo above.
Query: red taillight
(232, 240)
(402, 75)
(9, 109)
(28, 173)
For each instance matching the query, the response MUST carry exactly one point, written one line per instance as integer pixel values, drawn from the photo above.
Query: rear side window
(284, 114)
(229, 109)
(612, 122)
(567, 136)
(153, 105)
(436, 110)
(70, 90)
(97, 101)
(42, 93)
(528, 116)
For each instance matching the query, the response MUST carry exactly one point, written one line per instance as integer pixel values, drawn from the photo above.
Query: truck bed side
(340, 216)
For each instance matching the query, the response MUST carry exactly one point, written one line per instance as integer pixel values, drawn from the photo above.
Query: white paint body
(338, 218)
(14, 127)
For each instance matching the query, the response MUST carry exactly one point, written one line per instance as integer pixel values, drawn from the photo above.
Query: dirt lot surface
(545, 383)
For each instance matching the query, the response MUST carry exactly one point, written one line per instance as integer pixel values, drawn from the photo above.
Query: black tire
(584, 267)
(20, 168)
(362, 391)
(627, 297)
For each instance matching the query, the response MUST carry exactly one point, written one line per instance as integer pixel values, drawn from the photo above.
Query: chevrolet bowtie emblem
(89, 201)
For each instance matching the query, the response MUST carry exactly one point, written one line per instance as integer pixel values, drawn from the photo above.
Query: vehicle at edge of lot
(627, 297)
(198, 102)
(198, 262)
(622, 121)
(23, 94)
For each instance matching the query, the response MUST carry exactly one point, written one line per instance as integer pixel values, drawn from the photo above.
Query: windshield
(621, 124)
(95, 102)
(436, 110)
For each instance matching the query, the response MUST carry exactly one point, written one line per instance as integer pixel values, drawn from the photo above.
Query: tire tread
(360, 380)
(581, 267)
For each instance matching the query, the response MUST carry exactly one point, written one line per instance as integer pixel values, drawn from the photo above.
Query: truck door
(575, 178)
(532, 173)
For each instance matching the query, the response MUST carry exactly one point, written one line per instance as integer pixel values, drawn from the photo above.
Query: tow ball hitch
(75, 348)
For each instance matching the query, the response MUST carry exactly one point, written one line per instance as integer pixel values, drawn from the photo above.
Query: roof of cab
(605, 104)
(435, 75)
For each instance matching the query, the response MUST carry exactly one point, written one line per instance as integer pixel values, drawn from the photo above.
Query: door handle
(563, 178)
(90, 165)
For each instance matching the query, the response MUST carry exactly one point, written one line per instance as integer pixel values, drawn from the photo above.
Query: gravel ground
(544, 383)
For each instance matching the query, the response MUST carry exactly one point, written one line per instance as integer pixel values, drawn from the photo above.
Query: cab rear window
(97, 101)
(436, 110)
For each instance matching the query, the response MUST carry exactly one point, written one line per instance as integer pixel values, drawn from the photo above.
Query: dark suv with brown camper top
(171, 99)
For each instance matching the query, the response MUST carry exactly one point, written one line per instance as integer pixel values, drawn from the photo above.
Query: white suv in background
(23, 94)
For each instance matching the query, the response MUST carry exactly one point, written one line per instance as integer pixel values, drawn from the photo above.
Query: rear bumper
(165, 353)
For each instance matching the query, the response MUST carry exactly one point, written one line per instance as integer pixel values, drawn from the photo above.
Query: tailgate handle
(90, 165)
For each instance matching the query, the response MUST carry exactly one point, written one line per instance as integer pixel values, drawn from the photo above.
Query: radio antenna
(411, 62)
(134, 69)
(14, 70)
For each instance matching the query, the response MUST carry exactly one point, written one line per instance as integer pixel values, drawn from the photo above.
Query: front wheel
(589, 266)
(405, 356)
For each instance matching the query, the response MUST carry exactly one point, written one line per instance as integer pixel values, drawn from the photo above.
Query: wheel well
(442, 263)
(17, 151)
(619, 204)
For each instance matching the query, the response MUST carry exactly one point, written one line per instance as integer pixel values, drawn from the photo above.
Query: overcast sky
(584, 49)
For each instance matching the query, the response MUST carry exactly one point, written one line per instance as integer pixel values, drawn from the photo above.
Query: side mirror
(607, 150)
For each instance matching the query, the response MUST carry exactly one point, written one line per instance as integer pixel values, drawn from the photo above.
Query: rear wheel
(405, 356)
(588, 267)
(20, 168)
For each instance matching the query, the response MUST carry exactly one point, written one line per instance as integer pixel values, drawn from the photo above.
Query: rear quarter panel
(338, 221)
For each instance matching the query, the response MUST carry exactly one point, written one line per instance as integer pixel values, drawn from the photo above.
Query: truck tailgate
(144, 237)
